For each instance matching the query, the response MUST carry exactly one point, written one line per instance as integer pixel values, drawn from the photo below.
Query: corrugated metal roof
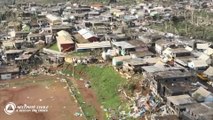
(86, 33)
(93, 45)
(64, 37)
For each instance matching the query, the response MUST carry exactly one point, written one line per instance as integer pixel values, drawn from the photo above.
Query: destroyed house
(139, 45)
(178, 88)
(9, 72)
(34, 24)
(21, 34)
(27, 56)
(23, 57)
(18, 43)
(177, 104)
(12, 54)
(177, 52)
(42, 21)
(95, 23)
(118, 61)
(81, 10)
(97, 6)
(123, 47)
(134, 65)
(167, 83)
(142, 54)
(198, 111)
(165, 117)
(80, 16)
(55, 10)
(161, 45)
(92, 14)
(117, 37)
(202, 95)
(101, 31)
(57, 28)
(35, 37)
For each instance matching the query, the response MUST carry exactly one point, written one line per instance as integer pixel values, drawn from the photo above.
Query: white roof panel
(209, 71)
(93, 45)
(86, 33)
(123, 44)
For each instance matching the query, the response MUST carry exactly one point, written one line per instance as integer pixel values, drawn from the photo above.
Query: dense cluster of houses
(179, 69)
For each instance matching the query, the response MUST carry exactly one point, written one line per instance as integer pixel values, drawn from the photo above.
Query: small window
(182, 109)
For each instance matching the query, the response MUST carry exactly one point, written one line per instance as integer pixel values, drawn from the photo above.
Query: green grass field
(54, 47)
(105, 81)
(78, 54)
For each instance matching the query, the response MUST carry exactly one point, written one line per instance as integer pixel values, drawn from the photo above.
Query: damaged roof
(181, 99)
(123, 44)
(8, 69)
(173, 74)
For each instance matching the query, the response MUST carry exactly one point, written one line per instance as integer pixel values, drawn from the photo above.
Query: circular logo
(10, 108)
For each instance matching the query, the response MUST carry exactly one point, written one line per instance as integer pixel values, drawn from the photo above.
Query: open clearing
(46, 91)
(105, 82)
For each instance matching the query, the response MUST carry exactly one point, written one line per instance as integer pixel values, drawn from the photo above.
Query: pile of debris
(143, 104)
(85, 61)
(43, 71)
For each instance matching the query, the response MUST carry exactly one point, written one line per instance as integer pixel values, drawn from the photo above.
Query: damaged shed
(9, 72)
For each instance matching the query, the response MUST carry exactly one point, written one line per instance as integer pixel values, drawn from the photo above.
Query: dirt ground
(90, 98)
(88, 94)
(52, 93)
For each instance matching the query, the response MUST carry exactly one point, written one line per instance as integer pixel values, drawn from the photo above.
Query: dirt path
(90, 97)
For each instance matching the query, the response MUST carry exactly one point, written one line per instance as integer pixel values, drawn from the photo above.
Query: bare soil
(90, 97)
(52, 93)
(88, 94)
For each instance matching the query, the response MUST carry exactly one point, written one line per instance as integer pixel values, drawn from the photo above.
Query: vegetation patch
(54, 47)
(105, 81)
